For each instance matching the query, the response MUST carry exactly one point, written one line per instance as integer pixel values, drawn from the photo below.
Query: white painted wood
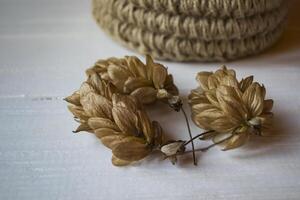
(45, 46)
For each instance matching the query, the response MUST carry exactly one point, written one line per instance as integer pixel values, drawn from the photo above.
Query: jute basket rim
(211, 8)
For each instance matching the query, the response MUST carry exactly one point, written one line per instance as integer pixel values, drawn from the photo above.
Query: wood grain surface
(45, 47)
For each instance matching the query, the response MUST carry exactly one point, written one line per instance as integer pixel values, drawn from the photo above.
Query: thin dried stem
(190, 134)
(198, 136)
(210, 146)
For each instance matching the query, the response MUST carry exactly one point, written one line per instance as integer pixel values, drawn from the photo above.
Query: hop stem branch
(190, 134)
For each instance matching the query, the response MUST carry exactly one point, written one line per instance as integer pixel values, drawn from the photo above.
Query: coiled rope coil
(183, 30)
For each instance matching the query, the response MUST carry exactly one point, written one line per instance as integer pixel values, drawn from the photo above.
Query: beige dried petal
(158, 133)
(197, 96)
(110, 89)
(236, 141)
(231, 104)
(83, 127)
(126, 101)
(99, 67)
(202, 78)
(96, 106)
(96, 123)
(204, 119)
(74, 99)
(146, 95)
(112, 141)
(146, 126)
(136, 67)
(105, 76)
(223, 124)
(102, 132)
(85, 89)
(245, 83)
(200, 107)
(229, 81)
(126, 121)
(212, 82)
(224, 72)
(212, 97)
(118, 75)
(159, 75)
(134, 83)
(97, 84)
(119, 162)
(253, 98)
(78, 112)
(131, 149)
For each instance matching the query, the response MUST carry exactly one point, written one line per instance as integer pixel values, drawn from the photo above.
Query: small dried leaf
(245, 83)
(173, 148)
(78, 112)
(119, 162)
(231, 103)
(159, 75)
(136, 67)
(83, 127)
(129, 102)
(85, 89)
(146, 95)
(212, 97)
(229, 81)
(96, 106)
(126, 120)
(253, 98)
(112, 141)
(212, 82)
(204, 119)
(202, 79)
(146, 126)
(97, 123)
(118, 75)
(236, 141)
(96, 82)
(102, 132)
(134, 83)
(74, 99)
(131, 149)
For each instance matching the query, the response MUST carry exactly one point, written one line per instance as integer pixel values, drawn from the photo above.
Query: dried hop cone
(147, 82)
(118, 120)
(231, 110)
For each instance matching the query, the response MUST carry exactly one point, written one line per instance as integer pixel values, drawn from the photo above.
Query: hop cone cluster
(148, 82)
(233, 110)
(118, 120)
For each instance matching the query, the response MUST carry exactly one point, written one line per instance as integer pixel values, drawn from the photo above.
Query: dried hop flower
(118, 120)
(232, 110)
(147, 82)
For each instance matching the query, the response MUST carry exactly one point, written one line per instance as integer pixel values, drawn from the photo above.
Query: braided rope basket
(193, 30)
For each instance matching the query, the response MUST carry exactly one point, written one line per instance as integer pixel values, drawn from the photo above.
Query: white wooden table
(45, 47)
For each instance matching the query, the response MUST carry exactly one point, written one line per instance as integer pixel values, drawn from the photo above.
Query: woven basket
(193, 30)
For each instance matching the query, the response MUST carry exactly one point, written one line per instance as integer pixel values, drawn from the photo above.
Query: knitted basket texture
(193, 30)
